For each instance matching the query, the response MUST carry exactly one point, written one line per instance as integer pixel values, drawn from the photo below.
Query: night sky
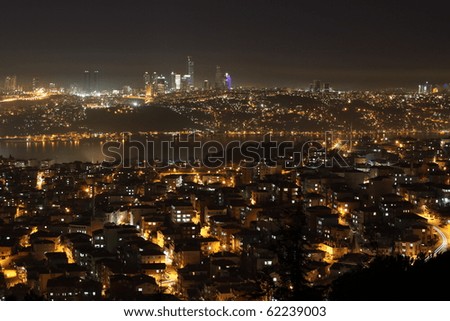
(355, 44)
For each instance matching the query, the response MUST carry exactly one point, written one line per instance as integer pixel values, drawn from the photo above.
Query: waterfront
(61, 151)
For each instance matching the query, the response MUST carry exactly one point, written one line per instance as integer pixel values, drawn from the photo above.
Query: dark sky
(352, 44)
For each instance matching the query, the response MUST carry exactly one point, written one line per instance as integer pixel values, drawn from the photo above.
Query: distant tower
(185, 83)
(326, 87)
(96, 80)
(154, 81)
(161, 85)
(11, 83)
(228, 81)
(147, 79)
(172, 85)
(218, 84)
(317, 86)
(35, 83)
(177, 81)
(87, 82)
(148, 85)
(148, 91)
(52, 87)
(426, 88)
(190, 71)
(420, 91)
(206, 84)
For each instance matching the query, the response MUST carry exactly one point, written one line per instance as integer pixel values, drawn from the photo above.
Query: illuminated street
(443, 243)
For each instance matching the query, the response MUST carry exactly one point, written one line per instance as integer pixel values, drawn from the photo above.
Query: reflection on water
(90, 150)
(60, 151)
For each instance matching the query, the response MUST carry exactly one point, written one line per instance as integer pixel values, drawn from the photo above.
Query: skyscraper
(172, 85)
(149, 92)
(161, 85)
(35, 83)
(317, 86)
(11, 83)
(87, 82)
(218, 83)
(227, 81)
(426, 88)
(190, 71)
(185, 82)
(154, 82)
(52, 87)
(177, 82)
(206, 84)
(96, 81)
(147, 78)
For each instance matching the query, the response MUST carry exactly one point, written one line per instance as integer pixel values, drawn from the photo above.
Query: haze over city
(352, 44)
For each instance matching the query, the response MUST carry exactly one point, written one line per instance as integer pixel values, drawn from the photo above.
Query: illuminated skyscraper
(185, 82)
(96, 81)
(317, 86)
(206, 84)
(161, 85)
(218, 83)
(52, 87)
(11, 83)
(35, 84)
(227, 80)
(190, 71)
(148, 90)
(177, 82)
(87, 82)
(154, 82)
(172, 82)
(426, 88)
(147, 79)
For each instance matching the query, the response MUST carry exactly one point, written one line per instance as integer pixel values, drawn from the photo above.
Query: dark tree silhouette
(396, 278)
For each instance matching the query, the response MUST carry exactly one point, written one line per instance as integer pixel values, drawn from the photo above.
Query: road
(444, 245)
(443, 233)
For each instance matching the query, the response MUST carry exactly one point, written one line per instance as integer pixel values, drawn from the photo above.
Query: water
(89, 150)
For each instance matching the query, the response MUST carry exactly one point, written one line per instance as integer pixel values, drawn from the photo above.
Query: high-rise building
(172, 86)
(87, 82)
(96, 81)
(177, 81)
(148, 85)
(326, 87)
(426, 88)
(227, 80)
(190, 71)
(218, 83)
(206, 84)
(127, 90)
(35, 84)
(52, 87)
(161, 85)
(148, 91)
(185, 82)
(147, 78)
(11, 83)
(154, 82)
(317, 86)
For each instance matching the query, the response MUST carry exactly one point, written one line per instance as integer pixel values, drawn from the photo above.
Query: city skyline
(352, 44)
